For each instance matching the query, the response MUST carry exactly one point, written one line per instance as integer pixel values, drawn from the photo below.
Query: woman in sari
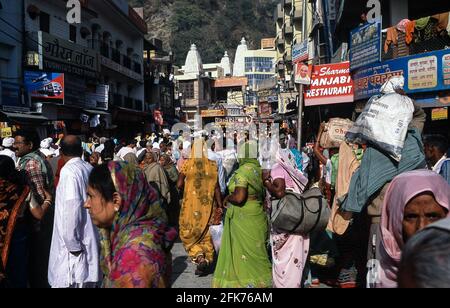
(413, 201)
(173, 211)
(289, 251)
(243, 259)
(12, 202)
(199, 178)
(135, 239)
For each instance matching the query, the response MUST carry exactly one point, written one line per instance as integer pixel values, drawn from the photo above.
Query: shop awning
(24, 117)
(92, 111)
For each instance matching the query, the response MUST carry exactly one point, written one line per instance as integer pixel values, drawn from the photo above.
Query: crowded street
(312, 151)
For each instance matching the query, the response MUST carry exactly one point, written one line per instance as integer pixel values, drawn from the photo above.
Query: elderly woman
(243, 259)
(156, 176)
(413, 201)
(135, 239)
(199, 180)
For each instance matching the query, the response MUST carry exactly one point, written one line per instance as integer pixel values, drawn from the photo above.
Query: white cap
(8, 142)
(45, 144)
(166, 131)
(156, 145)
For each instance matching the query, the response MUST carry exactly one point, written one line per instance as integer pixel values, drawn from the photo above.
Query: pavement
(183, 275)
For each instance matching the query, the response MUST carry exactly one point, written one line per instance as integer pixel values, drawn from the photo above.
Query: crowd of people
(106, 213)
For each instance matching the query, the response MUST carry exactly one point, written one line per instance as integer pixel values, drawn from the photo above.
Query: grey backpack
(300, 214)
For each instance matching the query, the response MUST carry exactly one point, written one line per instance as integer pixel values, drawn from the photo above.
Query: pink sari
(290, 252)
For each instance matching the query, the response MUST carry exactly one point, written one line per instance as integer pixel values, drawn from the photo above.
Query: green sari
(243, 259)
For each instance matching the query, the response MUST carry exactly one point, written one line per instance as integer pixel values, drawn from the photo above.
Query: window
(187, 88)
(73, 33)
(44, 22)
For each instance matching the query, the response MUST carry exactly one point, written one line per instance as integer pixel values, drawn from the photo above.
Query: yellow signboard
(6, 132)
(438, 114)
(213, 113)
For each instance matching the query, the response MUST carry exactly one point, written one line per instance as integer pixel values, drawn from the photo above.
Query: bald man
(74, 261)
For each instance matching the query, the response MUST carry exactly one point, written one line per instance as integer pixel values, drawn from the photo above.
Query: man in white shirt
(74, 254)
(436, 148)
(7, 145)
(130, 148)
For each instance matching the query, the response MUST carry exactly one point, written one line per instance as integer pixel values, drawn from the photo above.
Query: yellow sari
(198, 203)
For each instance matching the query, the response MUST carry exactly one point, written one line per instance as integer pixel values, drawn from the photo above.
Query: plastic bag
(385, 120)
(216, 236)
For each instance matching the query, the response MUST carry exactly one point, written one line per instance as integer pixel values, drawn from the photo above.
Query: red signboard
(330, 84)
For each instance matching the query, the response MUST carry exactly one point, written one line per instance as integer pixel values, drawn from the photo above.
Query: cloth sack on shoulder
(385, 120)
(334, 133)
(300, 214)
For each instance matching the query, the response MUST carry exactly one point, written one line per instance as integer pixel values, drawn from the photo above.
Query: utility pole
(302, 87)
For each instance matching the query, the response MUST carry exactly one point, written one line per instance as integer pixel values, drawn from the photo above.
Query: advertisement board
(331, 84)
(423, 73)
(300, 52)
(45, 85)
(365, 45)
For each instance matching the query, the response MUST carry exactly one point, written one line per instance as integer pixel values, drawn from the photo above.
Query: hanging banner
(365, 45)
(331, 84)
(302, 73)
(300, 52)
(6, 132)
(423, 73)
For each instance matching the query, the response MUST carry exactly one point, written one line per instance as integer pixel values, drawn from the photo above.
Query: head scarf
(286, 160)
(139, 231)
(46, 143)
(401, 191)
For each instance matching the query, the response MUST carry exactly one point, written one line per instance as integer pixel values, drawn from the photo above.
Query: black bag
(300, 214)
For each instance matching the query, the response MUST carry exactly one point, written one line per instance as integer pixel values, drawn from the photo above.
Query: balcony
(139, 105)
(115, 55)
(287, 3)
(128, 103)
(288, 30)
(126, 62)
(137, 67)
(298, 14)
(279, 14)
(280, 41)
(100, 46)
(117, 99)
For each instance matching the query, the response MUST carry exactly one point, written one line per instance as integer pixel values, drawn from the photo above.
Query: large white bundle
(385, 120)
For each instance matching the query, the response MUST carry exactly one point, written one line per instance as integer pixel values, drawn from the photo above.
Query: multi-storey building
(93, 67)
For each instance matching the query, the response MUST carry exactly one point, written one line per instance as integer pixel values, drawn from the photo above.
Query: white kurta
(73, 231)
(9, 153)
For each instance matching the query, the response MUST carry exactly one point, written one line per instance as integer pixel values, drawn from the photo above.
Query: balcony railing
(117, 99)
(128, 103)
(137, 67)
(126, 61)
(115, 55)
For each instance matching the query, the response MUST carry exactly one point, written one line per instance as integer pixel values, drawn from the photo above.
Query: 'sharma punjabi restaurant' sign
(330, 84)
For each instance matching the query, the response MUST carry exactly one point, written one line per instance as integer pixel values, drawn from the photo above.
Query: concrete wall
(11, 41)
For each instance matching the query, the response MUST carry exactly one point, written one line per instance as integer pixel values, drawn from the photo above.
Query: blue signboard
(13, 97)
(300, 52)
(365, 45)
(425, 72)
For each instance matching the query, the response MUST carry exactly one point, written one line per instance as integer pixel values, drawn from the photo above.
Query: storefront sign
(99, 99)
(423, 73)
(121, 69)
(439, 114)
(302, 73)
(300, 52)
(13, 97)
(365, 45)
(270, 96)
(446, 69)
(284, 100)
(44, 85)
(213, 113)
(64, 56)
(6, 132)
(331, 84)
(230, 121)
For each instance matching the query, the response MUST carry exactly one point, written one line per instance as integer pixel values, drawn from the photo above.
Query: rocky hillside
(214, 25)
